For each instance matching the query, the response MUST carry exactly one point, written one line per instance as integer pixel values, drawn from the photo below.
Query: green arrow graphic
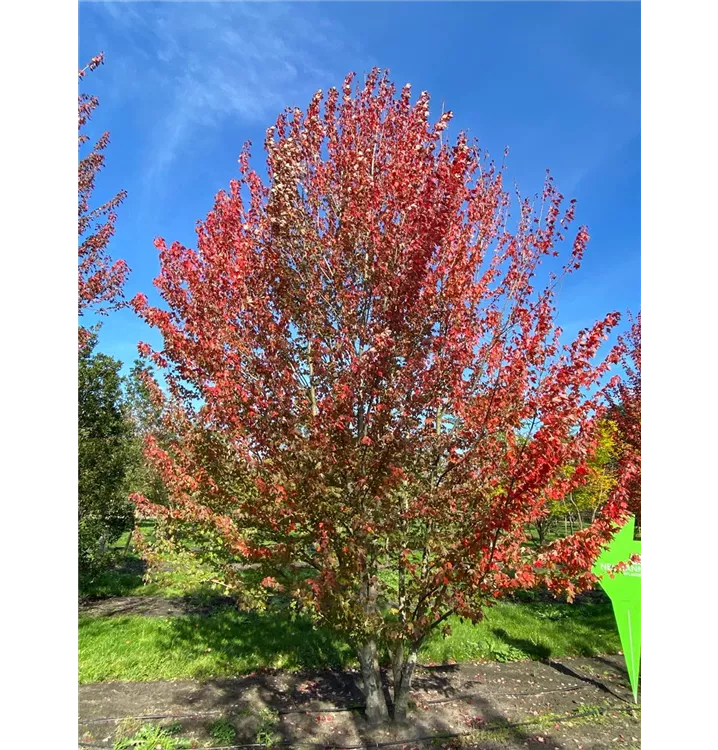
(624, 590)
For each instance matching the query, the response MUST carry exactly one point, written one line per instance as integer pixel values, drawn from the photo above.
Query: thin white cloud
(192, 66)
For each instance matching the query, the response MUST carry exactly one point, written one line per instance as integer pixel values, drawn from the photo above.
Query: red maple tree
(355, 355)
(625, 411)
(99, 279)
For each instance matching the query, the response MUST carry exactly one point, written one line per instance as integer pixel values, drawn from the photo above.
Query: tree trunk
(541, 529)
(376, 708)
(129, 541)
(579, 520)
(404, 666)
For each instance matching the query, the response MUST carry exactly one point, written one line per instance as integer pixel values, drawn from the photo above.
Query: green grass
(127, 579)
(153, 737)
(184, 574)
(222, 732)
(515, 631)
(267, 733)
(146, 527)
(231, 642)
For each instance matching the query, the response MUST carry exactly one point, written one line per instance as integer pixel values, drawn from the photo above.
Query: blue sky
(186, 83)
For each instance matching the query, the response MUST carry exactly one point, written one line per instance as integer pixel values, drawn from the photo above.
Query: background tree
(585, 501)
(589, 498)
(625, 411)
(144, 409)
(99, 279)
(352, 354)
(103, 459)
(145, 415)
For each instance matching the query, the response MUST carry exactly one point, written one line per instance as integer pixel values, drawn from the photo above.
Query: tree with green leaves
(145, 416)
(103, 459)
(585, 501)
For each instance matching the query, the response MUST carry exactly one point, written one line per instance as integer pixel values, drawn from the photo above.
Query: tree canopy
(352, 354)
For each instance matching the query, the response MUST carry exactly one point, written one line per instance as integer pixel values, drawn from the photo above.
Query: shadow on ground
(510, 705)
(155, 606)
(533, 650)
(124, 576)
(270, 638)
(500, 705)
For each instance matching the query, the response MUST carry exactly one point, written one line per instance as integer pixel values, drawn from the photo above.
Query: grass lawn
(126, 577)
(230, 642)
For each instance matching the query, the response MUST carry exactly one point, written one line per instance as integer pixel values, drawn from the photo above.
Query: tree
(103, 458)
(625, 410)
(601, 477)
(145, 415)
(99, 280)
(144, 409)
(587, 499)
(352, 354)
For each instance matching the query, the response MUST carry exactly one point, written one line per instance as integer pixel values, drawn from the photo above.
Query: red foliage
(354, 351)
(625, 410)
(99, 279)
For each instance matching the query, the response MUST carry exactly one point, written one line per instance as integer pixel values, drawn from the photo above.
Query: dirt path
(161, 606)
(152, 606)
(582, 704)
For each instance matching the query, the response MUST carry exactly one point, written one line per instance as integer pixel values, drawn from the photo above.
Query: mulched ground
(153, 606)
(160, 606)
(502, 701)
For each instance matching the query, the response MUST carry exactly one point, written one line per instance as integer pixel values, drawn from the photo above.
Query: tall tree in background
(585, 501)
(626, 413)
(589, 498)
(355, 354)
(103, 459)
(144, 412)
(99, 279)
